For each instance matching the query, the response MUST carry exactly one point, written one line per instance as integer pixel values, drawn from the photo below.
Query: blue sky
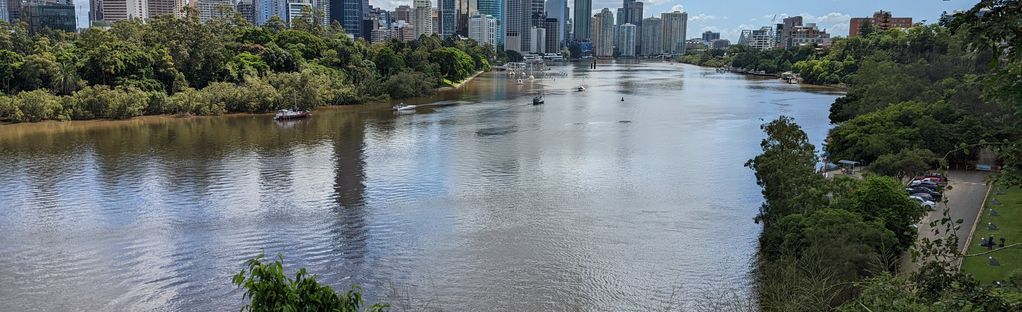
(729, 17)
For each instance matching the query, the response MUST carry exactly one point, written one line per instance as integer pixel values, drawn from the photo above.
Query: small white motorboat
(537, 100)
(581, 88)
(285, 114)
(403, 107)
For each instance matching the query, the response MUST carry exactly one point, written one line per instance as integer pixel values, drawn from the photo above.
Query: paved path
(964, 199)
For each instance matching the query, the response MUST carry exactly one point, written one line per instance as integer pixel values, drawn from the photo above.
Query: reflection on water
(476, 201)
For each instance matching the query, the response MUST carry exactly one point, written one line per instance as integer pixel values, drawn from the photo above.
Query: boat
(581, 88)
(403, 107)
(285, 114)
(519, 81)
(537, 100)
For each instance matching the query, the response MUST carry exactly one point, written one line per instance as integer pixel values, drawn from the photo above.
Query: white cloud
(678, 7)
(704, 17)
(654, 2)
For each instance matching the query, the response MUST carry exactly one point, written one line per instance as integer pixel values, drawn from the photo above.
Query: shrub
(103, 102)
(271, 290)
(39, 105)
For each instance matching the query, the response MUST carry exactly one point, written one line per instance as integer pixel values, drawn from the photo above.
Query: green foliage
(514, 56)
(37, 105)
(183, 65)
(407, 84)
(906, 163)
(883, 199)
(271, 290)
(103, 102)
(785, 170)
(454, 64)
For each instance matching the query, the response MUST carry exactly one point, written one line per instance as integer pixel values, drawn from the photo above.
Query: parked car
(920, 189)
(923, 183)
(922, 202)
(923, 196)
(934, 177)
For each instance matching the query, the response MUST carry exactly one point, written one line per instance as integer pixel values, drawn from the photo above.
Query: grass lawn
(1009, 223)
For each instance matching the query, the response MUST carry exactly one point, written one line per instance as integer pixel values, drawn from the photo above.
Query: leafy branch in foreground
(270, 290)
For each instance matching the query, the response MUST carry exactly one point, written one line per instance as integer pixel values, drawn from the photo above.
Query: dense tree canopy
(182, 65)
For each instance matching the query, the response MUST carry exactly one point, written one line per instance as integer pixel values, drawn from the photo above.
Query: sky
(729, 17)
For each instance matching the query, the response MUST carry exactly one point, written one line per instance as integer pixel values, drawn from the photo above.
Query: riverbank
(457, 85)
(837, 87)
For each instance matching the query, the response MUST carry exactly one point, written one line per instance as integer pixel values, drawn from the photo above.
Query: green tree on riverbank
(182, 65)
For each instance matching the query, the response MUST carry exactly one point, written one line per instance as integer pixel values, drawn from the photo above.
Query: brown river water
(474, 201)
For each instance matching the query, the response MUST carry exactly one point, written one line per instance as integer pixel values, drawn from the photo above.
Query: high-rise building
(628, 41)
(265, 9)
(582, 21)
(448, 14)
(162, 7)
(538, 12)
(4, 15)
(323, 6)
(880, 21)
(464, 12)
(56, 15)
(483, 29)
(557, 9)
(422, 17)
(633, 15)
(806, 35)
(247, 10)
(118, 10)
(552, 26)
(761, 39)
(720, 44)
(538, 37)
(435, 17)
(353, 15)
(675, 26)
(403, 13)
(211, 9)
(517, 23)
(603, 33)
(782, 31)
(494, 8)
(709, 36)
(298, 9)
(652, 41)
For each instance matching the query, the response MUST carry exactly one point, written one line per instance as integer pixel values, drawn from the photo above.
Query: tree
(10, 64)
(866, 28)
(514, 56)
(883, 199)
(906, 163)
(270, 290)
(786, 171)
(454, 64)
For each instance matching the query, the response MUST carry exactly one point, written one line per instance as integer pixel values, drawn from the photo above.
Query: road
(964, 199)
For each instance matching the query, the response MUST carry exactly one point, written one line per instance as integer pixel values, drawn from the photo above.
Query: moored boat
(285, 114)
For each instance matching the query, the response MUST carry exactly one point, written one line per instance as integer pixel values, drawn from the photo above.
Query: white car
(923, 202)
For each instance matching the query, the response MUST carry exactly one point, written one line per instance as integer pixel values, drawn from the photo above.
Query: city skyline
(730, 17)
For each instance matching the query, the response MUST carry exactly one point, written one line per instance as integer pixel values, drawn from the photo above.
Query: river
(476, 201)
